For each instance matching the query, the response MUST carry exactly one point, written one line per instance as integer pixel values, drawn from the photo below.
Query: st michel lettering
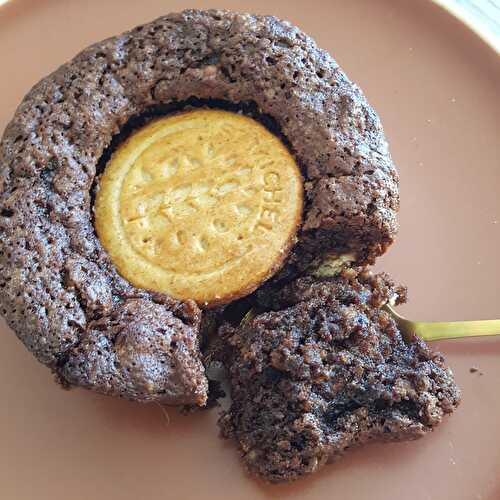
(273, 196)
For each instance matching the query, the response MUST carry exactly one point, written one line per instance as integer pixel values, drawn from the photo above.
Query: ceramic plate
(436, 86)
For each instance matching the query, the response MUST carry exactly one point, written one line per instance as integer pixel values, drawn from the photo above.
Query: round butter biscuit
(201, 205)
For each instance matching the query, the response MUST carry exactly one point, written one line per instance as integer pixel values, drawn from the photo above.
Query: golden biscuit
(202, 205)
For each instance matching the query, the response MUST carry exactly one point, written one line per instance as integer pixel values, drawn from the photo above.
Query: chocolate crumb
(474, 369)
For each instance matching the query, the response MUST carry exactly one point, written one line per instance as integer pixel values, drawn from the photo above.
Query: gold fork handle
(444, 330)
(456, 329)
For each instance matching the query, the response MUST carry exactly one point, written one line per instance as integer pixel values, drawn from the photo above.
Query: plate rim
(468, 12)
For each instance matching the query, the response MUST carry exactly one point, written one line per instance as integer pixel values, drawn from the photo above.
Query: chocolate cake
(325, 369)
(59, 290)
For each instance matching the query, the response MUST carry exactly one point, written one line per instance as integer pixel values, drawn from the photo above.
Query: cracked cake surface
(59, 290)
(325, 369)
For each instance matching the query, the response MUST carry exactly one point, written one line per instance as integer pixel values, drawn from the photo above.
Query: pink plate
(436, 86)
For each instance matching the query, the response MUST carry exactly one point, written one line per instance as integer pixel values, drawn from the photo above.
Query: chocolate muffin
(60, 291)
(326, 369)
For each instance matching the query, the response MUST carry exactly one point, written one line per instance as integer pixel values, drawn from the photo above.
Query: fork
(444, 330)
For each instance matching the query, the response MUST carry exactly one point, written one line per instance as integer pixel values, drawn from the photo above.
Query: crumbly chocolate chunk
(327, 369)
(56, 280)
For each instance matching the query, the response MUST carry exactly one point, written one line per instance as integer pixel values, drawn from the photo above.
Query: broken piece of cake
(324, 369)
